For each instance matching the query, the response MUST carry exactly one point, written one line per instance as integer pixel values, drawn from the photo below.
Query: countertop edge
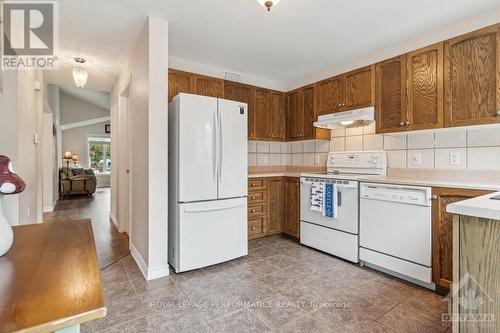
(482, 207)
(430, 183)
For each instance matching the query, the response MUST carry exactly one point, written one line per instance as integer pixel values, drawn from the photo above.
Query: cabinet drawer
(256, 184)
(256, 228)
(256, 211)
(256, 197)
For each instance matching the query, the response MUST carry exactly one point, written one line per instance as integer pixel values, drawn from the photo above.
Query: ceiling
(298, 42)
(98, 98)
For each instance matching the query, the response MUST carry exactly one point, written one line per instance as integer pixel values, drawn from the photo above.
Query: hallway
(110, 244)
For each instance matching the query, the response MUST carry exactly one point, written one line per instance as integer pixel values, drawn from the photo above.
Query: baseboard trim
(113, 219)
(48, 209)
(148, 273)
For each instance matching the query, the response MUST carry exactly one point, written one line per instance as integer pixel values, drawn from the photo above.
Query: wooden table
(49, 279)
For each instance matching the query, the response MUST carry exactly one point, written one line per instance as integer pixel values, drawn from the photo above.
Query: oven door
(347, 205)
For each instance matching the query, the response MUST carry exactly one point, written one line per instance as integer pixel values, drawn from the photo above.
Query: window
(99, 149)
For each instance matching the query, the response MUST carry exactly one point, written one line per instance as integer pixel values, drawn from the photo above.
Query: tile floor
(280, 286)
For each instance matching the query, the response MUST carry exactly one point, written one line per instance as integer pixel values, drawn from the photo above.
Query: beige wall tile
(373, 142)
(483, 158)
(421, 140)
(337, 144)
(442, 158)
(426, 158)
(451, 139)
(354, 143)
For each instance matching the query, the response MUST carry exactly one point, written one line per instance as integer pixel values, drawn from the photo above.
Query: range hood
(347, 119)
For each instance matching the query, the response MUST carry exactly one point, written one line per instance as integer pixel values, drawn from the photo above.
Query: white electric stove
(338, 235)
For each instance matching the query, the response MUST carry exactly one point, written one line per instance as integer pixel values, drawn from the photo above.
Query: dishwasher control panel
(396, 193)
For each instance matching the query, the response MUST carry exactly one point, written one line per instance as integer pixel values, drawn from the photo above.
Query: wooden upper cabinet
(308, 112)
(242, 93)
(208, 86)
(294, 116)
(329, 95)
(261, 107)
(390, 91)
(424, 88)
(359, 88)
(442, 232)
(179, 82)
(276, 115)
(275, 205)
(472, 78)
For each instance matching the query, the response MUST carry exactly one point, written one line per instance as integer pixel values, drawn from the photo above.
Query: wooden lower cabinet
(442, 232)
(269, 204)
(291, 221)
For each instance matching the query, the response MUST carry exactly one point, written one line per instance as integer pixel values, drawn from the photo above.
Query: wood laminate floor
(281, 286)
(110, 244)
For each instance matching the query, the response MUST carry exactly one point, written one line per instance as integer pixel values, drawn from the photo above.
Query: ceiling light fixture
(80, 74)
(268, 3)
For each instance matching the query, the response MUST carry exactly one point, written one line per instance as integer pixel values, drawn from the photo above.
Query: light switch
(455, 158)
(417, 159)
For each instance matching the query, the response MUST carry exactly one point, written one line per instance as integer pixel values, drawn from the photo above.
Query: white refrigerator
(208, 172)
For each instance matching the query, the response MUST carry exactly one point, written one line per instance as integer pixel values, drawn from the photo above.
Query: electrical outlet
(455, 158)
(28, 212)
(417, 159)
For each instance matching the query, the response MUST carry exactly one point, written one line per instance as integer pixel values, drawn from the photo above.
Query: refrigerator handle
(221, 145)
(216, 150)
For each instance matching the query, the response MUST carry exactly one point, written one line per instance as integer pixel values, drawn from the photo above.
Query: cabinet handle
(253, 198)
(253, 210)
(498, 113)
(253, 185)
(252, 228)
(407, 123)
(434, 197)
(402, 123)
(340, 104)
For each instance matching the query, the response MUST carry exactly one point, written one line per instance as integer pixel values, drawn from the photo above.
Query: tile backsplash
(474, 148)
(299, 153)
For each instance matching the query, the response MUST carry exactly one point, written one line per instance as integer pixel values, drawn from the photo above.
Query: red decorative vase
(10, 183)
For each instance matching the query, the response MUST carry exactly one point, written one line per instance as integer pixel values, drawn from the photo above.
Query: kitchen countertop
(482, 207)
(265, 174)
(432, 182)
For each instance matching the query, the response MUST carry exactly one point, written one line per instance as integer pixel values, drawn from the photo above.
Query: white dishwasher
(395, 230)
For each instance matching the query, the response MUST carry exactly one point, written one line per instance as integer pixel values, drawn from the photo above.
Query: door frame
(124, 148)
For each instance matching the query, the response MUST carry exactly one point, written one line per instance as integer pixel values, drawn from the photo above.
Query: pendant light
(80, 74)
(268, 3)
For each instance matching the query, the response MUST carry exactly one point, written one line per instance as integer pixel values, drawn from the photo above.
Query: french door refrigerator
(207, 181)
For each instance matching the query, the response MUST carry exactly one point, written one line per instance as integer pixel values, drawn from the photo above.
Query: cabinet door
(261, 110)
(359, 88)
(442, 233)
(179, 82)
(390, 92)
(242, 93)
(472, 78)
(276, 116)
(424, 88)
(275, 205)
(329, 94)
(291, 224)
(308, 112)
(208, 86)
(293, 115)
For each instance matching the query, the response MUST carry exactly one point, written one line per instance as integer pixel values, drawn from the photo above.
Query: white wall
(9, 141)
(75, 139)
(74, 109)
(21, 108)
(148, 69)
